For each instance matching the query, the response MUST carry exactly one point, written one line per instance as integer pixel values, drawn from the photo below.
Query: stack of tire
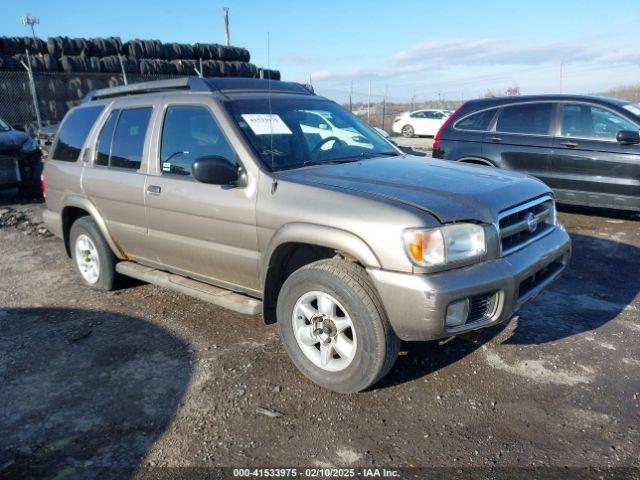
(78, 65)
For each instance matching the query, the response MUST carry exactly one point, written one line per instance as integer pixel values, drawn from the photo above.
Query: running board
(202, 291)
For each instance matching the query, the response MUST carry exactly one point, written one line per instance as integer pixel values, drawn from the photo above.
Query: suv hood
(447, 190)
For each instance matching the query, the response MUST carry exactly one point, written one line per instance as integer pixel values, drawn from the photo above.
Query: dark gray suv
(587, 149)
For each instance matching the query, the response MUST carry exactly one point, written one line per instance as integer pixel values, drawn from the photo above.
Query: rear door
(521, 138)
(588, 165)
(206, 232)
(115, 182)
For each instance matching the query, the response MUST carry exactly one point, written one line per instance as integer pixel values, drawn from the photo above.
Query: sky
(413, 49)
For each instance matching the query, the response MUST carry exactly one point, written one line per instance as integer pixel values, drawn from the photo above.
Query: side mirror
(19, 127)
(628, 137)
(215, 170)
(324, 126)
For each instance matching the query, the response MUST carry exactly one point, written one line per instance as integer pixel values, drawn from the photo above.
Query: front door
(521, 139)
(207, 232)
(589, 165)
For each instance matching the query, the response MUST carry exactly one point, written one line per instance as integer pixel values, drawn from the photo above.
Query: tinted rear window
(128, 139)
(533, 118)
(74, 132)
(477, 121)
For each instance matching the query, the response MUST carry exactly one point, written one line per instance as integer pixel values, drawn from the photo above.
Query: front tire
(92, 256)
(408, 131)
(334, 327)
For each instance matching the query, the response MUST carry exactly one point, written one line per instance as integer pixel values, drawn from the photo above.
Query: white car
(419, 122)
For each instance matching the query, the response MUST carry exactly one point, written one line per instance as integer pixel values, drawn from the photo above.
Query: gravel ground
(144, 377)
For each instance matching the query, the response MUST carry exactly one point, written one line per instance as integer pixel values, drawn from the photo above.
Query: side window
(128, 138)
(103, 148)
(74, 132)
(189, 133)
(438, 115)
(477, 122)
(418, 115)
(533, 118)
(586, 121)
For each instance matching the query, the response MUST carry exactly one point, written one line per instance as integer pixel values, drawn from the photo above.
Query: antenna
(273, 187)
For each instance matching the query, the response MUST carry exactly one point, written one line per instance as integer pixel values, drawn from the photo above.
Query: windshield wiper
(336, 161)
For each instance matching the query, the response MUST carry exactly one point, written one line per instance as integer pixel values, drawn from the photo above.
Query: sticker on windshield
(633, 109)
(266, 124)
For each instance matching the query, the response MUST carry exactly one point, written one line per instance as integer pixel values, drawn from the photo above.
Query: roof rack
(200, 84)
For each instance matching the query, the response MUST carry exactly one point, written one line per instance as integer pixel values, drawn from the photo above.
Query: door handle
(569, 144)
(154, 190)
(496, 139)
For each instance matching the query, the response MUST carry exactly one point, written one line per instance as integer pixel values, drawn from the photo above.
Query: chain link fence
(56, 92)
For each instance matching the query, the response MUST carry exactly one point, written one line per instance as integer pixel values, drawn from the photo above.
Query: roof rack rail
(186, 83)
(201, 84)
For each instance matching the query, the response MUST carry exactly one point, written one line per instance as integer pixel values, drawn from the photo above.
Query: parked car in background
(587, 149)
(45, 137)
(211, 186)
(20, 164)
(419, 122)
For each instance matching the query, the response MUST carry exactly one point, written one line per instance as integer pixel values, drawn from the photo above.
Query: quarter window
(74, 132)
(586, 121)
(128, 138)
(532, 118)
(190, 133)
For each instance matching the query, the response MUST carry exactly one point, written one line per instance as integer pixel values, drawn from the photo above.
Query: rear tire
(93, 258)
(331, 306)
(408, 131)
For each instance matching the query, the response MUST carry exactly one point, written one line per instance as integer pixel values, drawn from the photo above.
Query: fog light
(457, 313)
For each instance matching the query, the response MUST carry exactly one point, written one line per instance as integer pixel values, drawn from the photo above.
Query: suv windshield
(4, 126)
(289, 133)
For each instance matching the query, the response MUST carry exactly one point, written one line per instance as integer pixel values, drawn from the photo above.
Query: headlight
(29, 145)
(450, 244)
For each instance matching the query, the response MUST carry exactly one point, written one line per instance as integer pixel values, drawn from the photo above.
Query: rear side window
(103, 149)
(533, 118)
(73, 133)
(478, 121)
(190, 133)
(128, 138)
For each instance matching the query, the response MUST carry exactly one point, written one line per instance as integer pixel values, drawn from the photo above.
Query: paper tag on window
(166, 166)
(266, 124)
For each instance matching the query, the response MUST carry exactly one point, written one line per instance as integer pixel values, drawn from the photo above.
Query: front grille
(541, 276)
(481, 307)
(521, 225)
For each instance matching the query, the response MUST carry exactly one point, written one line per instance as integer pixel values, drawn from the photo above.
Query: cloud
(438, 56)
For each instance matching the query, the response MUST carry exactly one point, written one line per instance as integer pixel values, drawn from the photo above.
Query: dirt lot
(143, 377)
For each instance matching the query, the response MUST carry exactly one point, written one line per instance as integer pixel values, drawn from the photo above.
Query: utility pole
(413, 100)
(384, 103)
(30, 21)
(351, 97)
(561, 76)
(226, 25)
(369, 104)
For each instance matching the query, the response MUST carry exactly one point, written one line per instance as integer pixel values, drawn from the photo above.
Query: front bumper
(416, 304)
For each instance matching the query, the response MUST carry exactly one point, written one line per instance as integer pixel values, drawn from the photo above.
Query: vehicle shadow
(600, 283)
(85, 391)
